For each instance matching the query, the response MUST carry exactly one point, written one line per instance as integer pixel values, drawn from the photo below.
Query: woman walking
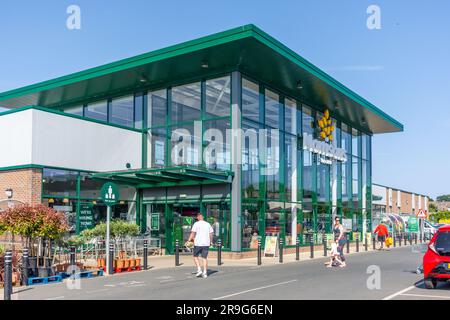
(340, 238)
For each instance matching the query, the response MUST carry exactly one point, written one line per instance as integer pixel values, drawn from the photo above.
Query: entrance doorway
(183, 218)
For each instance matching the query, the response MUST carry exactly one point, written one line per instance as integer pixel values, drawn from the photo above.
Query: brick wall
(25, 183)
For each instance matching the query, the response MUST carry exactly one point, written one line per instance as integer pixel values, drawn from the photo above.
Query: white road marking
(399, 292)
(55, 298)
(255, 289)
(424, 296)
(98, 290)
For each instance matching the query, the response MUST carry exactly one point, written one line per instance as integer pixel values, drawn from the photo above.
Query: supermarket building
(63, 138)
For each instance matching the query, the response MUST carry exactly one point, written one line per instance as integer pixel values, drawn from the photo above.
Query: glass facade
(77, 194)
(288, 190)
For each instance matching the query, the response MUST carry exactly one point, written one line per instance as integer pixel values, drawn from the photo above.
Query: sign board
(159, 152)
(188, 221)
(413, 224)
(421, 214)
(110, 194)
(86, 216)
(348, 224)
(154, 221)
(271, 245)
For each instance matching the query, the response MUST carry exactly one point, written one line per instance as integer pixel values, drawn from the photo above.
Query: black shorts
(203, 251)
(382, 238)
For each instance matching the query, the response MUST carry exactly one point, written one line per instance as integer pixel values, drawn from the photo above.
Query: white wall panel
(16, 138)
(68, 142)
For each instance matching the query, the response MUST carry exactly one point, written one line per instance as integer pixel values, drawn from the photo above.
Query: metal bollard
(280, 255)
(410, 239)
(404, 239)
(421, 238)
(25, 267)
(111, 258)
(374, 243)
(348, 246)
(7, 280)
(311, 246)
(219, 252)
(399, 240)
(357, 244)
(259, 252)
(72, 255)
(324, 247)
(297, 249)
(415, 238)
(145, 254)
(177, 253)
(394, 240)
(366, 244)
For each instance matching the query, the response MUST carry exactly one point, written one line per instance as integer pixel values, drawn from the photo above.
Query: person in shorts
(382, 232)
(202, 235)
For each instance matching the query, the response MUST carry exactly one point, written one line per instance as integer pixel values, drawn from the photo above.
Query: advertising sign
(271, 245)
(413, 224)
(86, 216)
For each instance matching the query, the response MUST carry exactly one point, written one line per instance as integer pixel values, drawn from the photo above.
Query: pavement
(373, 275)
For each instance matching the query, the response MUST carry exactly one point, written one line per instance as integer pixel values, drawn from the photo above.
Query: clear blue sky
(403, 68)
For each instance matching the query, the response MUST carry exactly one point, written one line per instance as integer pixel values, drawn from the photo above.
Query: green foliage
(75, 241)
(2, 249)
(432, 207)
(442, 215)
(118, 229)
(445, 197)
(34, 221)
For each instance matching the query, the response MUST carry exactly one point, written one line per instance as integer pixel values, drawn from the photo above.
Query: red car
(436, 261)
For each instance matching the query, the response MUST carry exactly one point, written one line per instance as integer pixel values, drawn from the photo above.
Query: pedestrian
(382, 232)
(201, 234)
(340, 238)
(335, 260)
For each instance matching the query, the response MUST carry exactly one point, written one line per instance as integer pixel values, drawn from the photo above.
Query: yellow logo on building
(326, 127)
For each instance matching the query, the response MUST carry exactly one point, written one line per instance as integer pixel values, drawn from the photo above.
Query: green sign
(413, 224)
(154, 222)
(187, 221)
(86, 216)
(110, 193)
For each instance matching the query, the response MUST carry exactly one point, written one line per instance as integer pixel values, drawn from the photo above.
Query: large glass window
(186, 103)
(76, 110)
(217, 150)
(272, 164)
(157, 108)
(250, 100)
(122, 111)
(218, 97)
(250, 214)
(355, 142)
(157, 147)
(250, 161)
(60, 183)
(308, 165)
(274, 211)
(138, 111)
(97, 111)
(186, 145)
(292, 117)
(272, 109)
(291, 168)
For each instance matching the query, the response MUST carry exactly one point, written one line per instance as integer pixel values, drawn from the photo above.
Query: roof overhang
(166, 177)
(245, 48)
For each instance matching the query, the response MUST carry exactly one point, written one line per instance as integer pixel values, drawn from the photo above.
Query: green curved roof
(246, 48)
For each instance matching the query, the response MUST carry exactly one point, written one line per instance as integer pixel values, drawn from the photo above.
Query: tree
(34, 222)
(445, 197)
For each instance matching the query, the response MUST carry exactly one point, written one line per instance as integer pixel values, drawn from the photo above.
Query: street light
(9, 193)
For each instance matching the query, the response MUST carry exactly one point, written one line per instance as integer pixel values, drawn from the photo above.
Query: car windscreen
(443, 242)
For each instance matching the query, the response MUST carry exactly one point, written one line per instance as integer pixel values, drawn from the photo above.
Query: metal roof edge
(158, 54)
(302, 62)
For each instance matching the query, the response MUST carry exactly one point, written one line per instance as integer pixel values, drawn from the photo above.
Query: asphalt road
(297, 280)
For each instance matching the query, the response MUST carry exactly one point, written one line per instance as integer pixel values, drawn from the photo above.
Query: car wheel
(430, 283)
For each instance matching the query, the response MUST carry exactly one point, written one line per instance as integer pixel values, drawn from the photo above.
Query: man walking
(201, 234)
(382, 231)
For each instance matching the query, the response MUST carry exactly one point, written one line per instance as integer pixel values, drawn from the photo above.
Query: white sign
(421, 214)
(323, 148)
(159, 152)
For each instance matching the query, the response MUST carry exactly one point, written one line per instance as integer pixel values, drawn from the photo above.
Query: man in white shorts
(201, 234)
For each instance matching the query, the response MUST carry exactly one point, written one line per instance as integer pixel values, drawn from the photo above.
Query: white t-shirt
(202, 230)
